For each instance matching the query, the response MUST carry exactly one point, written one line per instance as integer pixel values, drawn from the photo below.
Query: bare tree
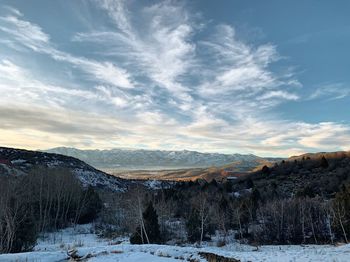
(340, 214)
(136, 196)
(200, 203)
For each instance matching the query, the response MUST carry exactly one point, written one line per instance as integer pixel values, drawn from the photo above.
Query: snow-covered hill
(14, 162)
(140, 159)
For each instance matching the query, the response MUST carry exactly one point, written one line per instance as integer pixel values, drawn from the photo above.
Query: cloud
(26, 33)
(37, 127)
(270, 136)
(243, 70)
(165, 52)
(279, 94)
(162, 49)
(19, 86)
(331, 91)
(325, 135)
(32, 36)
(13, 10)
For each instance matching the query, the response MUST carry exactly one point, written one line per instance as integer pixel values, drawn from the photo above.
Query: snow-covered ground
(53, 247)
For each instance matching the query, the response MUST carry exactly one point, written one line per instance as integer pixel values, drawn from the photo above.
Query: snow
(157, 184)
(132, 257)
(18, 161)
(11, 170)
(95, 178)
(54, 163)
(54, 246)
(153, 184)
(310, 253)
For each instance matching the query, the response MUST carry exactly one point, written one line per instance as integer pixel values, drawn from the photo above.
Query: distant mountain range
(128, 159)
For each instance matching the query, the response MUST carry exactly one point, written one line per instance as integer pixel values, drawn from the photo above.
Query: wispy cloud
(243, 71)
(162, 50)
(331, 91)
(27, 89)
(32, 36)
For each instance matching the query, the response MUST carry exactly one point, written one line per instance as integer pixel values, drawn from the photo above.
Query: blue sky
(263, 77)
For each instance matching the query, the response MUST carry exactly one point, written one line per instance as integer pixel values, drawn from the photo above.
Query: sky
(269, 78)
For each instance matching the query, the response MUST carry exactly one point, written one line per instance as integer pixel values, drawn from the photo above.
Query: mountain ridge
(143, 158)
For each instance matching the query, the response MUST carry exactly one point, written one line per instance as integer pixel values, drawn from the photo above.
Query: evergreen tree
(265, 170)
(249, 183)
(92, 205)
(193, 226)
(214, 183)
(324, 162)
(255, 198)
(151, 224)
(150, 220)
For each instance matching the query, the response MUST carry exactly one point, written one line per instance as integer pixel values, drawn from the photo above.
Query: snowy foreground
(54, 248)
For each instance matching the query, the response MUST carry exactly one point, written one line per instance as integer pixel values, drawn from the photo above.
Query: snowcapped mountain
(139, 159)
(14, 162)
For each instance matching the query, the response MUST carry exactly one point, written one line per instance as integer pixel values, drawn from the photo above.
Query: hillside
(14, 162)
(314, 174)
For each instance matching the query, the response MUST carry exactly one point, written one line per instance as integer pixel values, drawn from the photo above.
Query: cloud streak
(31, 36)
(331, 91)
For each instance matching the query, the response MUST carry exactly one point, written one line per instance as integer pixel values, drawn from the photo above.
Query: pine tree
(193, 226)
(255, 198)
(324, 162)
(265, 170)
(92, 205)
(151, 226)
(249, 183)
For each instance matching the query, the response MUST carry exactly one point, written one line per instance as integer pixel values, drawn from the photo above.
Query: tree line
(198, 210)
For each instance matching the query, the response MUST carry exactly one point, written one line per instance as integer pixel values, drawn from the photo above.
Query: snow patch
(18, 161)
